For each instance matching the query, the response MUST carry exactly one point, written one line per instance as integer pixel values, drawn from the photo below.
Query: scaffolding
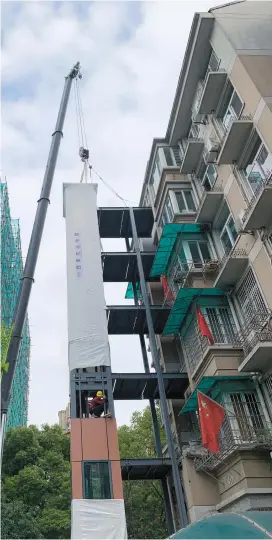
(11, 273)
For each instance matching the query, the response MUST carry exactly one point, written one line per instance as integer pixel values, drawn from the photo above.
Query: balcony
(244, 431)
(209, 204)
(231, 268)
(220, 359)
(210, 91)
(256, 340)
(234, 135)
(191, 151)
(259, 213)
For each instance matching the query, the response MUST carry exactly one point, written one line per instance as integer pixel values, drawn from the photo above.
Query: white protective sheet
(87, 320)
(98, 519)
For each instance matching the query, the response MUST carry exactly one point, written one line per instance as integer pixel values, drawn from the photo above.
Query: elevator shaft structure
(33, 251)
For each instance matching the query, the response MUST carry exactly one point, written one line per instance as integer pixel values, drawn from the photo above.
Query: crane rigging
(34, 246)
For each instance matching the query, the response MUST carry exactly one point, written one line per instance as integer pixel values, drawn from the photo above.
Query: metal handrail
(254, 331)
(231, 440)
(267, 181)
(233, 253)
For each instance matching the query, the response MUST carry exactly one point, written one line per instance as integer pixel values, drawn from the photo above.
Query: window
(209, 177)
(222, 327)
(259, 165)
(199, 252)
(146, 201)
(249, 297)
(177, 202)
(233, 110)
(221, 323)
(245, 415)
(227, 230)
(96, 480)
(185, 200)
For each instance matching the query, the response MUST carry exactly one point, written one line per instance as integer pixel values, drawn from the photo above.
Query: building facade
(209, 184)
(11, 273)
(64, 419)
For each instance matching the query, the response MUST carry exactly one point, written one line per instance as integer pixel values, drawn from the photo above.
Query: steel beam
(153, 346)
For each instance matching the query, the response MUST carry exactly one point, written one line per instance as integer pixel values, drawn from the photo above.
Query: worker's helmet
(99, 393)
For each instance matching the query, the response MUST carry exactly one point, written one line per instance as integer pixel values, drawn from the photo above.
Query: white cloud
(131, 54)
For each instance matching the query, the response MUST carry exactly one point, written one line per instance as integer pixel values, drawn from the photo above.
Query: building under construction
(11, 274)
(198, 267)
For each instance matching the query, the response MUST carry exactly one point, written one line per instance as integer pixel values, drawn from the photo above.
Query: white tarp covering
(97, 519)
(87, 320)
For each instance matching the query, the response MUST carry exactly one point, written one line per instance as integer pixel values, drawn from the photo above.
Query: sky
(131, 55)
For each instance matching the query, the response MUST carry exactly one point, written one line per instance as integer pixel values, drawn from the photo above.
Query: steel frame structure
(134, 266)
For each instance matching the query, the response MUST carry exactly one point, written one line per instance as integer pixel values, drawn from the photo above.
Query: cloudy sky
(131, 55)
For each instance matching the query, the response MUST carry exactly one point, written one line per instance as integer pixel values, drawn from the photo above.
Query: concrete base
(199, 512)
(248, 499)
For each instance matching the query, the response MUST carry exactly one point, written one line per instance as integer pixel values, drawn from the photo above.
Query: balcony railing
(202, 87)
(244, 429)
(197, 345)
(209, 203)
(223, 129)
(258, 212)
(178, 277)
(257, 330)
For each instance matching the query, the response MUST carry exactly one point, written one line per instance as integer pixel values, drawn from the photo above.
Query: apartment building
(209, 184)
(64, 419)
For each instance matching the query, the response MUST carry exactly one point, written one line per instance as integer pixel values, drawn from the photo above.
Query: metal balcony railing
(200, 88)
(257, 330)
(218, 188)
(223, 129)
(244, 428)
(265, 182)
(232, 253)
(181, 271)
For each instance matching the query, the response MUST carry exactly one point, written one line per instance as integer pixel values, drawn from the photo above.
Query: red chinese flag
(167, 292)
(211, 416)
(203, 326)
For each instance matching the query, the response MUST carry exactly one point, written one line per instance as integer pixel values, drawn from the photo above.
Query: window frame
(260, 171)
(87, 461)
(206, 178)
(231, 112)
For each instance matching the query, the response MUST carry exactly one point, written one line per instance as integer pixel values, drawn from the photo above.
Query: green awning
(167, 241)
(206, 384)
(182, 303)
(129, 292)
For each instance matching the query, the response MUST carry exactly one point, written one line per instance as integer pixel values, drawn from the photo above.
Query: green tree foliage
(143, 498)
(36, 491)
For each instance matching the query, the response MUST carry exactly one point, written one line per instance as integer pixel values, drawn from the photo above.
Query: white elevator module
(98, 519)
(86, 306)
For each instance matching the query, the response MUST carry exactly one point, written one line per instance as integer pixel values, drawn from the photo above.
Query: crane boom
(33, 251)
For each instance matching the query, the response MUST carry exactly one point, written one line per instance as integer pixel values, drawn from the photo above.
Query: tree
(36, 481)
(143, 498)
(36, 490)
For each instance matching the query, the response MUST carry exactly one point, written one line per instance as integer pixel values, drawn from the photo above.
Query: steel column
(153, 346)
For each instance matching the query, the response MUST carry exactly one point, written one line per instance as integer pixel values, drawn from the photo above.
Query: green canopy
(129, 292)
(182, 303)
(207, 383)
(167, 241)
(255, 524)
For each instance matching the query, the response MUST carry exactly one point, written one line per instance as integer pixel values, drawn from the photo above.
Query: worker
(96, 405)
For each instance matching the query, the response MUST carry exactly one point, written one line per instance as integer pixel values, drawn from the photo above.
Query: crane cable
(82, 141)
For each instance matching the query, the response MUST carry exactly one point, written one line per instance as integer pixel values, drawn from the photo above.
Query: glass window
(180, 201)
(249, 297)
(96, 480)
(227, 230)
(210, 177)
(199, 252)
(188, 194)
(233, 111)
(168, 157)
